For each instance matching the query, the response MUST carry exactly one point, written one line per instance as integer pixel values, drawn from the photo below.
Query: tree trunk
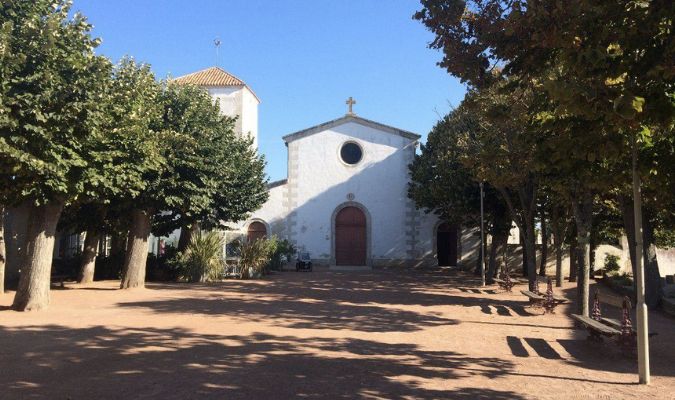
(544, 245)
(500, 236)
(187, 232)
(628, 214)
(525, 221)
(89, 257)
(558, 264)
(133, 272)
(3, 255)
(524, 253)
(33, 290)
(558, 238)
(653, 282)
(530, 251)
(583, 216)
(574, 261)
(16, 225)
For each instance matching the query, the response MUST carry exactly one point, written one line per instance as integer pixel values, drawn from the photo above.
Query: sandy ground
(330, 335)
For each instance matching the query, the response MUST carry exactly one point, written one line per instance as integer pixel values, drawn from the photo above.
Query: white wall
(271, 213)
(249, 118)
(240, 102)
(426, 235)
(378, 182)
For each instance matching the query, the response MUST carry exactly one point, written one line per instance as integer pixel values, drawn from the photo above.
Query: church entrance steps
(349, 268)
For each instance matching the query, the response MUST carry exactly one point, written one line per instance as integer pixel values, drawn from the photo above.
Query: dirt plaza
(376, 334)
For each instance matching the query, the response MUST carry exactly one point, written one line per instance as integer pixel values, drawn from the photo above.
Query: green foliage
(441, 183)
(136, 146)
(202, 260)
(600, 60)
(255, 256)
(163, 268)
(665, 238)
(611, 264)
(283, 250)
(52, 96)
(213, 176)
(624, 280)
(438, 168)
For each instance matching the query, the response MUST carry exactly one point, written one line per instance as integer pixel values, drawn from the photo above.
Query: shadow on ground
(334, 301)
(172, 363)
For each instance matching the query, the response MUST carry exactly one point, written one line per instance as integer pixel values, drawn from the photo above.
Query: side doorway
(446, 244)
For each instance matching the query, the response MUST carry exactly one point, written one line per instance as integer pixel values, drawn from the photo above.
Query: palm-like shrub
(255, 256)
(202, 260)
(284, 250)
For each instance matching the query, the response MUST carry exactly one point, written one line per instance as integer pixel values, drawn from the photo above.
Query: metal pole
(482, 238)
(641, 307)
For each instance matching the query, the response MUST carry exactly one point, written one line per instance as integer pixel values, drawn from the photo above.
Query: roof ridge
(205, 77)
(213, 76)
(350, 118)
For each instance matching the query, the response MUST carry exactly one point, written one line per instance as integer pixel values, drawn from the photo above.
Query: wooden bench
(535, 298)
(616, 324)
(597, 329)
(539, 300)
(507, 286)
(503, 284)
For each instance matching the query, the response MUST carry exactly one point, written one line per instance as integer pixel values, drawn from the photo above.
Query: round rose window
(351, 153)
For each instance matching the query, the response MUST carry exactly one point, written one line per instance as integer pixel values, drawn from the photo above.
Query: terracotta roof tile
(213, 76)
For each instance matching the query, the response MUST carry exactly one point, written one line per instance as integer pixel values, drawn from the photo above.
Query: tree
(3, 252)
(125, 158)
(441, 184)
(208, 175)
(616, 74)
(559, 228)
(51, 104)
(612, 64)
(86, 217)
(142, 146)
(214, 176)
(506, 132)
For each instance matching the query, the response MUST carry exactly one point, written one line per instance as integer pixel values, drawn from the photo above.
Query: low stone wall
(666, 258)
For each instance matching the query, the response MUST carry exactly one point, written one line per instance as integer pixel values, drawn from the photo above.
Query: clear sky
(303, 58)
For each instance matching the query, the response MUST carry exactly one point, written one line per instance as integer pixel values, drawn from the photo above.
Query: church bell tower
(236, 99)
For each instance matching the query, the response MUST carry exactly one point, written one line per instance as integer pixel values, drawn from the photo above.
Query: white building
(233, 95)
(345, 199)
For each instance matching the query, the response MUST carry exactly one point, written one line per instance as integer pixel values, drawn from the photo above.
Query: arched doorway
(446, 244)
(350, 237)
(256, 230)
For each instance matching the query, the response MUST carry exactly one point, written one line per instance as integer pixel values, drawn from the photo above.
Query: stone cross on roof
(350, 102)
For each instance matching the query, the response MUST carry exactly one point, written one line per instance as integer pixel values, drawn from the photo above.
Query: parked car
(304, 262)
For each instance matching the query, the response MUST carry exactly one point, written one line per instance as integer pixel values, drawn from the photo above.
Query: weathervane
(217, 43)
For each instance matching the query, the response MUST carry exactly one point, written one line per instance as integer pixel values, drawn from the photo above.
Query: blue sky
(302, 58)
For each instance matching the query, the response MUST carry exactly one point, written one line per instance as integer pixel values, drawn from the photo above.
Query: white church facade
(345, 196)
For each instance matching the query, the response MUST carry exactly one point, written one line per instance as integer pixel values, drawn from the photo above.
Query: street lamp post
(641, 307)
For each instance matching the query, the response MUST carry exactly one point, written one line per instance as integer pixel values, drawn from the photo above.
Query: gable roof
(213, 77)
(350, 118)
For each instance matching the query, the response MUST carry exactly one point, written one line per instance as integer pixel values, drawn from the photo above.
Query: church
(345, 196)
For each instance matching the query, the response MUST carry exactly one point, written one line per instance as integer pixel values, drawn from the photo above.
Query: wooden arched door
(446, 244)
(350, 237)
(256, 230)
